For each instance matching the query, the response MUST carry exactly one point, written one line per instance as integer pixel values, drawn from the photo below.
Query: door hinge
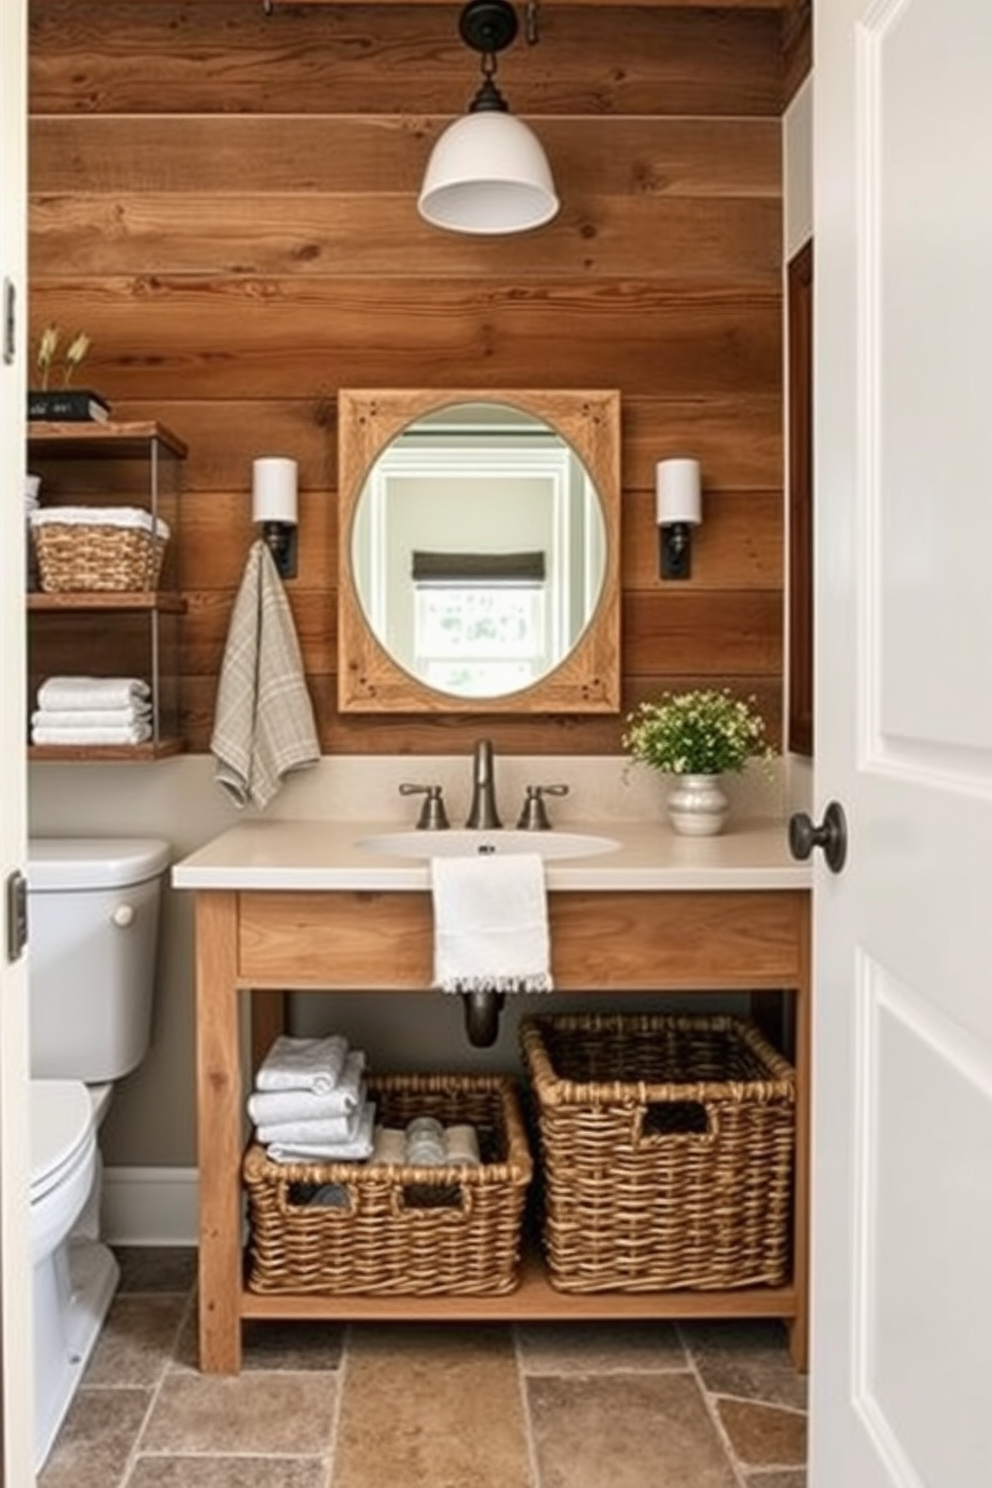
(17, 915)
(9, 321)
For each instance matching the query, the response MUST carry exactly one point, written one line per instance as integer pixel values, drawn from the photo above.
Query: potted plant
(697, 737)
(58, 363)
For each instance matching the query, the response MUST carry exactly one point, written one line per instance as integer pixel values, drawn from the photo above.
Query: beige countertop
(322, 855)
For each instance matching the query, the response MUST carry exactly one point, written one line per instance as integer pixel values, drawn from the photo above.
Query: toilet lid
(61, 1131)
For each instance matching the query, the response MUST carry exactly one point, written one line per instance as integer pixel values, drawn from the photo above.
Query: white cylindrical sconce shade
(678, 492)
(273, 490)
(488, 174)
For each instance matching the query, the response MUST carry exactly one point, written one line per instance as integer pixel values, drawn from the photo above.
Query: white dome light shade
(488, 174)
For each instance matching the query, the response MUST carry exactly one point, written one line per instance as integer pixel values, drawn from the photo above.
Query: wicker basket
(666, 1151)
(398, 1230)
(84, 550)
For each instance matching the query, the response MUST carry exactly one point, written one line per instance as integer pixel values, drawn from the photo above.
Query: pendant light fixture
(488, 173)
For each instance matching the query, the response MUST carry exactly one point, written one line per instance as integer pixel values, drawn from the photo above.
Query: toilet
(93, 915)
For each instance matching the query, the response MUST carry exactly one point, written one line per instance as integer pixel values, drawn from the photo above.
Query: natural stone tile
(790, 1478)
(436, 1406)
(274, 1414)
(628, 1431)
(749, 1359)
(96, 1439)
(228, 1472)
(156, 1268)
(599, 1348)
(137, 1339)
(276, 1344)
(764, 1434)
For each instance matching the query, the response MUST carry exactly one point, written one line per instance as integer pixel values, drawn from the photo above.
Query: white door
(16, 1452)
(902, 1263)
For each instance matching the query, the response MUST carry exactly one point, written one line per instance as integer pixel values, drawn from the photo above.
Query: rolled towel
(303, 1064)
(91, 717)
(461, 1145)
(354, 1151)
(388, 1145)
(268, 1106)
(132, 733)
(92, 692)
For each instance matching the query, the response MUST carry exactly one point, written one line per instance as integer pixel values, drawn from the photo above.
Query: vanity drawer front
(599, 941)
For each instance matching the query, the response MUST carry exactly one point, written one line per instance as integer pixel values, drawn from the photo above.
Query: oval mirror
(479, 538)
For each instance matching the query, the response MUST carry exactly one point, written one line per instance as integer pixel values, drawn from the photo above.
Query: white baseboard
(149, 1206)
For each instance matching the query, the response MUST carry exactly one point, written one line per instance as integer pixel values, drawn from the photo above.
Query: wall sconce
(273, 504)
(679, 508)
(488, 172)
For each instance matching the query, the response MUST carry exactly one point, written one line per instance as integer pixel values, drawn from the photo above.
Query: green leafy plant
(50, 360)
(708, 732)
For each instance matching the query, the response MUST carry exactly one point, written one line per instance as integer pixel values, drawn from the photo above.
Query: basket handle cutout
(454, 1196)
(661, 1120)
(338, 1198)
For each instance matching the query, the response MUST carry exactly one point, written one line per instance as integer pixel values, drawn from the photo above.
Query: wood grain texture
(240, 240)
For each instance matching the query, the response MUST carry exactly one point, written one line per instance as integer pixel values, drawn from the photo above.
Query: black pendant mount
(488, 26)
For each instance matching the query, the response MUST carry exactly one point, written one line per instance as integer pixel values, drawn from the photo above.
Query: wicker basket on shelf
(666, 1151)
(393, 1229)
(82, 550)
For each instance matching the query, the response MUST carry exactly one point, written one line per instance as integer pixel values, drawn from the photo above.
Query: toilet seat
(63, 1134)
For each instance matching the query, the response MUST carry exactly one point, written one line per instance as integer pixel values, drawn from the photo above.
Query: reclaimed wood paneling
(226, 202)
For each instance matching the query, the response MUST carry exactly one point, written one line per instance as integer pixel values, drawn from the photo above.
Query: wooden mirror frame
(587, 680)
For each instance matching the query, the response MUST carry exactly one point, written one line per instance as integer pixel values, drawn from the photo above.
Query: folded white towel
(491, 924)
(328, 1129)
(263, 724)
(303, 1064)
(131, 733)
(92, 692)
(268, 1106)
(356, 1150)
(91, 717)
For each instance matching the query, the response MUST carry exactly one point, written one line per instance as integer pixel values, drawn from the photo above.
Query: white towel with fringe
(266, 1107)
(491, 924)
(356, 1150)
(264, 726)
(315, 1064)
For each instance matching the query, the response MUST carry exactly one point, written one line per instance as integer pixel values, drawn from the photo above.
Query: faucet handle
(433, 817)
(534, 816)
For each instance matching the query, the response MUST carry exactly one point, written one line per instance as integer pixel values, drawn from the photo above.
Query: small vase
(697, 806)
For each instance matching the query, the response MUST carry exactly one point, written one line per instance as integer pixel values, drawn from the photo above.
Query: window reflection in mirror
(478, 549)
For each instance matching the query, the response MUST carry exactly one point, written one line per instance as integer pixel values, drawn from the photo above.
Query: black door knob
(830, 835)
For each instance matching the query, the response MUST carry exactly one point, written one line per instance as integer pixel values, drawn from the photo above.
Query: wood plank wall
(225, 201)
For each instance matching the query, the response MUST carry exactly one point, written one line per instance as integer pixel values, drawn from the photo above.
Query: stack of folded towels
(310, 1102)
(92, 710)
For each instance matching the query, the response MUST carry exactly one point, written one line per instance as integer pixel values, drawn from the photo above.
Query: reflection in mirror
(478, 551)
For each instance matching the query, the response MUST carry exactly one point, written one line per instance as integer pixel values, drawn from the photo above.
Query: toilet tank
(93, 917)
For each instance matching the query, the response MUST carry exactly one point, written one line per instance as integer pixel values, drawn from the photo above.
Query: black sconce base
(675, 551)
(281, 540)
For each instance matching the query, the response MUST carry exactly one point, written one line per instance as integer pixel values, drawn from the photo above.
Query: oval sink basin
(464, 843)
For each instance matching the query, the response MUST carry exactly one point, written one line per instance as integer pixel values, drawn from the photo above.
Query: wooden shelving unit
(104, 464)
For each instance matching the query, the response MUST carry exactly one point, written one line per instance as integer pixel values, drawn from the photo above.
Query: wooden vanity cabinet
(265, 943)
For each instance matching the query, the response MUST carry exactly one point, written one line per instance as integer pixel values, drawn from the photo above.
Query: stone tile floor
(570, 1405)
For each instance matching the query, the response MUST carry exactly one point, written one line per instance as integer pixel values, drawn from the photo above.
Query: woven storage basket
(666, 1151)
(399, 1230)
(84, 550)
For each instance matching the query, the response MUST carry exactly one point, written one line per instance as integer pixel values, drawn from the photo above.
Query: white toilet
(93, 914)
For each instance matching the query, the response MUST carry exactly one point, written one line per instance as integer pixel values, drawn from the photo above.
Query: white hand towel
(491, 924)
(357, 1150)
(327, 1129)
(263, 724)
(131, 733)
(92, 692)
(91, 717)
(268, 1106)
(303, 1064)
